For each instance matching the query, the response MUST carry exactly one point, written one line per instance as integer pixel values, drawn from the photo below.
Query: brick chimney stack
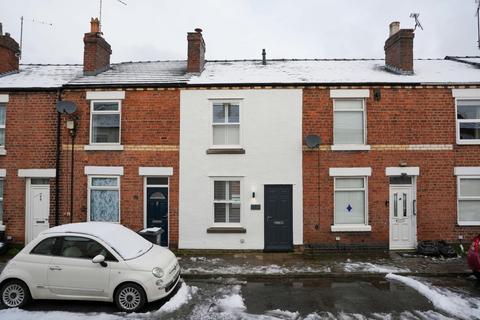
(399, 49)
(9, 53)
(196, 51)
(97, 51)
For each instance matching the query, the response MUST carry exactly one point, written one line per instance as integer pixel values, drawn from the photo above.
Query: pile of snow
(183, 296)
(283, 314)
(233, 302)
(370, 267)
(453, 303)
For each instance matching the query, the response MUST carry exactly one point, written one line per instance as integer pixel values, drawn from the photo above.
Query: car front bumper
(156, 292)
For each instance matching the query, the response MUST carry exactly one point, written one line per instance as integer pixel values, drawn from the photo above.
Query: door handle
(269, 218)
(53, 268)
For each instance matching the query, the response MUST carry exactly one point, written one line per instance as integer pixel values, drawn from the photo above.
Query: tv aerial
(417, 22)
(22, 19)
(100, 9)
(478, 21)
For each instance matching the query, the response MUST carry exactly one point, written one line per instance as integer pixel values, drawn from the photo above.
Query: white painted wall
(271, 128)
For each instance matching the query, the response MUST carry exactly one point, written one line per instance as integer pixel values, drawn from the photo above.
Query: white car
(96, 261)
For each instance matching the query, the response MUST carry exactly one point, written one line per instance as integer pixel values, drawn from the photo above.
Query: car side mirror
(100, 259)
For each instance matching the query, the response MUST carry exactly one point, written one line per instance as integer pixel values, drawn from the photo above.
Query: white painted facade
(271, 135)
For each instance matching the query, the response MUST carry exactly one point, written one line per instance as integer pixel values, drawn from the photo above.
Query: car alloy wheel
(130, 297)
(14, 295)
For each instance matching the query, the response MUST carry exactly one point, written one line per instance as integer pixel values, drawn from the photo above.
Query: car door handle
(53, 268)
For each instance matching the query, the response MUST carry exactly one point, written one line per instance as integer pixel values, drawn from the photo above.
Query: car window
(83, 248)
(45, 247)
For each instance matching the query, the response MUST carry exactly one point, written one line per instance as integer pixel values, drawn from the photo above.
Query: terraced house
(249, 155)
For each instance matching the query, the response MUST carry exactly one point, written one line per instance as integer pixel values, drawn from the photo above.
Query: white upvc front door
(37, 209)
(402, 218)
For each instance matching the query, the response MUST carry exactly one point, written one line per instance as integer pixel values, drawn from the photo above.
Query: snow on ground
(371, 267)
(220, 266)
(183, 296)
(18, 314)
(453, 303)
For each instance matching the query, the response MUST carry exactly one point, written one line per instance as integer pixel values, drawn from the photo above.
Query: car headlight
(157, 272)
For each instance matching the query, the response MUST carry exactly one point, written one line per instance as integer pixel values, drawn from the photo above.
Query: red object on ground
(473, 257)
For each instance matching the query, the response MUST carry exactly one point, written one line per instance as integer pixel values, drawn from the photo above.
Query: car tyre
(130, 297)
(15, 294)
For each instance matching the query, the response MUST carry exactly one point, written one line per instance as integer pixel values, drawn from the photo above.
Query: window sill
(351, 228)
(468, 224)
(468, 142)
(226, 151)
(2, 227)
(226, 230)
(3, 152)
(108, 147)
(351, 147)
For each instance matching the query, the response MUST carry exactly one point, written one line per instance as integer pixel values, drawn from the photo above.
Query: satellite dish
(67, 107)
(312, 141)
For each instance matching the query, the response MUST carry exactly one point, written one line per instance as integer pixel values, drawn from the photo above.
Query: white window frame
(465, 198)
(364, 227)
(458, 121)
(117, 188)
(227, 214)
(119, 112)
(4, 101)
(212, 124)
(145, 200)
(348, 146)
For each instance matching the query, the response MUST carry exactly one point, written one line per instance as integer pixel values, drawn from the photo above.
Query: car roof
(126, 242)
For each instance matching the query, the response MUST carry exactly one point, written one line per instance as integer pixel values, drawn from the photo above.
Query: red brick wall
(148, 118)
(402, 116)
(30, 144)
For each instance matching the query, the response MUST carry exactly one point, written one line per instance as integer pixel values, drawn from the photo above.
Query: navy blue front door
(157, 211)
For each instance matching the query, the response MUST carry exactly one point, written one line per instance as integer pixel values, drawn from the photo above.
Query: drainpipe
(57, 163)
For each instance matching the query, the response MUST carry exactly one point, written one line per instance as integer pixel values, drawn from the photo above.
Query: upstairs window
(349, 122)
(226, 124)
(105, 122)
(468, 121)
(226, 201)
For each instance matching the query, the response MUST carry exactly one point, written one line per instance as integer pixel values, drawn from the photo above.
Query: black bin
(152, 234)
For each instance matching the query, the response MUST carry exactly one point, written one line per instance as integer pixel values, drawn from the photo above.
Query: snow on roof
(147, 72)
(124, 241)
(354, 71)
(40, 76)
(451, 70)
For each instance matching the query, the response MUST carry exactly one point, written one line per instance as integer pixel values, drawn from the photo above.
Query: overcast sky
(239, 29)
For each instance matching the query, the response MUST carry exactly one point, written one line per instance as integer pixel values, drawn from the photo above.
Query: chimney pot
(394, 27)
(7, 34)
(94, 25)
(1, 29)
(198, 30)
(264, 57)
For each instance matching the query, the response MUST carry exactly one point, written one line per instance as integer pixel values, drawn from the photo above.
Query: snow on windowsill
(2, 227)
(3, 152)
(351, 228)
(108, 147)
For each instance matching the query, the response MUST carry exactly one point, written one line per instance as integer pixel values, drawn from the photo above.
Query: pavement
(202, 265)
(197, 265)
